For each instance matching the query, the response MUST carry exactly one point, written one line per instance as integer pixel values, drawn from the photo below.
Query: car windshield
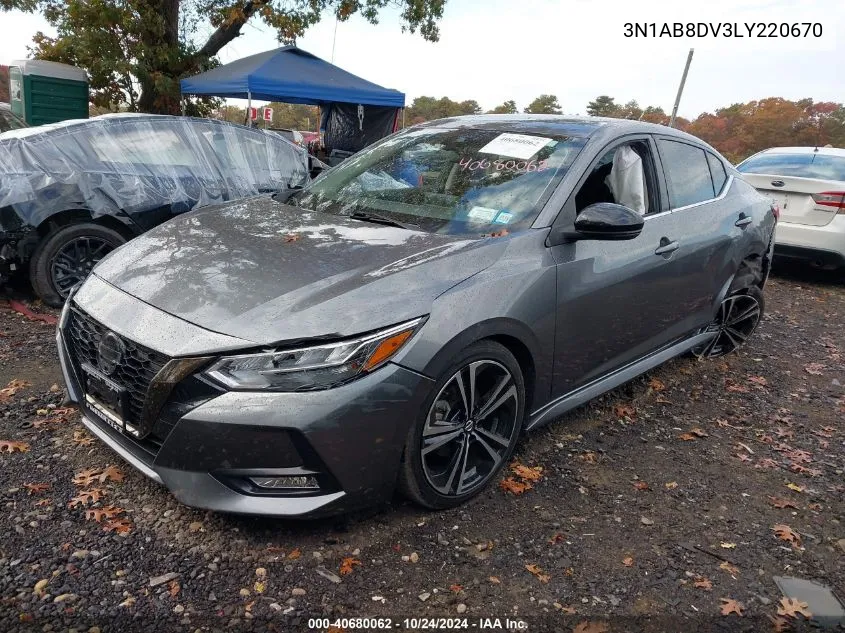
(447, 180)
(810, 165)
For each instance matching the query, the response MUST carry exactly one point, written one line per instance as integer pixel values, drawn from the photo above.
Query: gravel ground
(650, 507)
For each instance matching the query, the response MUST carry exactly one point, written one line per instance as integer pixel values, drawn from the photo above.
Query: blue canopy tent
(355, 112)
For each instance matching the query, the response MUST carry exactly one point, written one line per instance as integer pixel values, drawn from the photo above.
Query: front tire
(66, 256)
(467, 430)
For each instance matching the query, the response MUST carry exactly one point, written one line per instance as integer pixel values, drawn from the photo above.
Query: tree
(135, 51)
(602, 106)
(630, 110)
(508, 107)
(544, 104)
(430, 108)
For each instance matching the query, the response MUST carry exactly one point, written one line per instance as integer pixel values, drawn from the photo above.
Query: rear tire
(467, 429)
(66, 256)
(738, 317)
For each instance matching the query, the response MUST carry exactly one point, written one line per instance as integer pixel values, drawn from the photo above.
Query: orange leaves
(347, 564)
(98, 514)
(640, 485)
(791, 607)
(702, 582)
(758, 381)
(94, 475)
(733, 387)
(538, 573)
(12, 388)
(814, 369)
(118, 526)
(656, 385)
(624, 411)
(86, 496)
(733, 570)
(34, 489)
(525, 475)
(687, 437)
(786, 533)
(628, 561)
(693, 434)
(779, 503)
(9, 446)
(730, 606)
(294, 554)
(174, 588)
(81, 438)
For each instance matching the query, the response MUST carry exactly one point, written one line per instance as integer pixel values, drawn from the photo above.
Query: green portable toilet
(47, 92)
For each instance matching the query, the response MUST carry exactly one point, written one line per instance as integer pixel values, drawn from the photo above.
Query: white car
(808, 184)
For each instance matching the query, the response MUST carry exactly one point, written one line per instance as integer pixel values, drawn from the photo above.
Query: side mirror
(607, 221)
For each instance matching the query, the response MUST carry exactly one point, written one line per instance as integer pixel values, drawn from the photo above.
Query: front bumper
(349, 438)
(824, 245)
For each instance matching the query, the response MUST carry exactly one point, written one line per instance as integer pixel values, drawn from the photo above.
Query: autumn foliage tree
(136, 51)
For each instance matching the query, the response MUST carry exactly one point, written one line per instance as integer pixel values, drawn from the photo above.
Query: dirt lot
(654, 504)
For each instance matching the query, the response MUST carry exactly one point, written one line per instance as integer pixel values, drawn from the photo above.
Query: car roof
(829, 151)
(559, 124)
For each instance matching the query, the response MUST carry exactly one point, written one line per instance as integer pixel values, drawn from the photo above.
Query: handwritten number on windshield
(470, 164)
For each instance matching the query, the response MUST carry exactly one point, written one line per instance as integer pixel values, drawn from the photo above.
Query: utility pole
(681, 89)
(334, 38)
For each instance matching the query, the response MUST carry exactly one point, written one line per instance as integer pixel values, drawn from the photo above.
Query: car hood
(268, 272)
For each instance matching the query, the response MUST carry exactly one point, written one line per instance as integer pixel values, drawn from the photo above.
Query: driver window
(620, 176)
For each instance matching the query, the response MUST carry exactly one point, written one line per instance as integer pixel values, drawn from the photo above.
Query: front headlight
(309, 368)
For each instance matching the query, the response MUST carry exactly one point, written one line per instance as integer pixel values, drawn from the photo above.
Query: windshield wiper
(380, 219)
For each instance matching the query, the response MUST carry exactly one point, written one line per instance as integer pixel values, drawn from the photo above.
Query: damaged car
(404, 318)
(71, 192)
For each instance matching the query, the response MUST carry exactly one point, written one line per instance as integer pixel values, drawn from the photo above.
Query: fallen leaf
(347, 564)
(260, 586)
(557, 537)
(12, 388)
(794, 487)
(730, 606)
(9, 446)
(791, 607)
(36, 488)
(671, 485)
(174, 588)
(698, 432)
(40, 586)
(589, 456)
(786, 533)
(628, 561)
(98, 514)
(538, 572)
(292, 237)
(641, 485)
(87, 476)
(782, 503)
(568, 610)
(735, 388)
(779, 624)
(119, 526)
(814, 369)
(656, 385)
(456, 588)
(728, 546)
(86, 496)
(624, 411)
(513, 486)
(731, 569)
(494, 580)
(591, 627)
(81, 438)
(260, 573)
(687, 437)
(295, 553)
(111, 473)
(758, 380)
(527, 473)
(703, 583)
(42, 502)
(130, 601)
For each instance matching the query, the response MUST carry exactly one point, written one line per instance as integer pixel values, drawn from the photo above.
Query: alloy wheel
(737, 319)
(74, 261)
(470, 428)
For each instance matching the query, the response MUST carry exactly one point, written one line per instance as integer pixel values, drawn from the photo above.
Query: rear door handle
(778, 183)
(743, 221)
(666, 247)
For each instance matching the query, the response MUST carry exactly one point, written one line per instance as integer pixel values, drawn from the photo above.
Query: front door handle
(666, 247)
(778, 183)
(743, 221)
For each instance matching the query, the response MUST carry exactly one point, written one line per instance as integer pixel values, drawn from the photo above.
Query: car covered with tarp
(71, 192)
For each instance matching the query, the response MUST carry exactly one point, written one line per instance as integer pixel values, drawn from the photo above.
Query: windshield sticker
(503, 218)
(515, 145)
(482, 214)
(472, 164)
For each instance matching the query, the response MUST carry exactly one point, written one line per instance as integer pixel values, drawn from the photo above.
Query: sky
(494, 50)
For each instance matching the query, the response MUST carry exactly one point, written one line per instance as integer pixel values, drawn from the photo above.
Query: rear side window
(717, 171)
(809, 165)
(687, 173)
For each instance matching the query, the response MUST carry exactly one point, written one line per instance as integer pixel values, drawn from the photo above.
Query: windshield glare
(447, 180)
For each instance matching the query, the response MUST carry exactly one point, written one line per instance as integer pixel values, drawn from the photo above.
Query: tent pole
(249, 108)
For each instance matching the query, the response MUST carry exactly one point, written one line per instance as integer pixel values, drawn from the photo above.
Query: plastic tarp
(351, 128)
(292, 75)
(138, 163)
(626, 180)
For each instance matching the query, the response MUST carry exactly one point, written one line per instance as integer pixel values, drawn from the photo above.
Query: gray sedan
(401, 320)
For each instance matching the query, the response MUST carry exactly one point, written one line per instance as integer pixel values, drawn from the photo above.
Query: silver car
(401, 320)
